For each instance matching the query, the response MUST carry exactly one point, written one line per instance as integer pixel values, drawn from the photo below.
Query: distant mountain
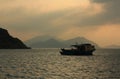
(37, 39)
(113, 46)
(50, 42)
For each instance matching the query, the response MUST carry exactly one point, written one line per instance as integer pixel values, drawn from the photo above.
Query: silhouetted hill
(9, 42)
(55, 43)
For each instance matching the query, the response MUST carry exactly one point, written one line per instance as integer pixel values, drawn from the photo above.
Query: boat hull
(75, 52)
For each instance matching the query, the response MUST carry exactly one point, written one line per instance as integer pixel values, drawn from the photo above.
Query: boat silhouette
(79, 49)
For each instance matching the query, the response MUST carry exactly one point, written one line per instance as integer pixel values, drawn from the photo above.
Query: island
(9, 42)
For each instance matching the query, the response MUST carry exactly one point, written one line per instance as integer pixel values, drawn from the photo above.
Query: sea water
(49, 64)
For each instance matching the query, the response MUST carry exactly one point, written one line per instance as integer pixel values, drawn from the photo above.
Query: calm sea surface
(49, 64)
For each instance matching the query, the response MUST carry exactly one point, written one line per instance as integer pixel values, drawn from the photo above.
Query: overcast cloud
(60, 18)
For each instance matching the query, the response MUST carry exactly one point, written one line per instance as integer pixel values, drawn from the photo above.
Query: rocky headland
(9, 42)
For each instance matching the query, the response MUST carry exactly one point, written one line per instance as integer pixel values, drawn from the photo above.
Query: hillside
(9, 42)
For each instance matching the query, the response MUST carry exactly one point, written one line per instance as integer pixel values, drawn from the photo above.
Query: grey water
(49, 64)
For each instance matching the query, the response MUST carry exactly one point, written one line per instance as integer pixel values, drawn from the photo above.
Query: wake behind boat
(79, 49)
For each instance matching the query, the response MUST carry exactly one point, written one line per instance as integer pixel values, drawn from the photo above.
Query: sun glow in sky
(97, 20)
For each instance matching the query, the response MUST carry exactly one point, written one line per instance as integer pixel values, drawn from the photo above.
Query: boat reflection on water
(79, 49)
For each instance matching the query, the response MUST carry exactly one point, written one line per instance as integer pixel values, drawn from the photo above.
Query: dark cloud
(111, 14)
(19, 19)
(36, 23)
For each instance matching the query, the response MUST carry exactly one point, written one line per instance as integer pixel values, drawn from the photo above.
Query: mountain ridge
(55, 43)
(113, 46)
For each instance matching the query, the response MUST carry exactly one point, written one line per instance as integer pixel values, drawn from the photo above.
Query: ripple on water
(49, 64)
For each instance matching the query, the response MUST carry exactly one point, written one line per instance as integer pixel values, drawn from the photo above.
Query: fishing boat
(79, 49)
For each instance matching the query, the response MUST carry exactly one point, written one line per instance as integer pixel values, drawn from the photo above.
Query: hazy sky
(97, 20)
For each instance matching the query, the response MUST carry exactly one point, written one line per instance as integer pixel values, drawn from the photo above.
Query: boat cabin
(85, 47)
